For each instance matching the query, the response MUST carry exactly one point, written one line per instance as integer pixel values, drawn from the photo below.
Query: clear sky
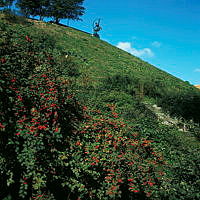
(165, 33)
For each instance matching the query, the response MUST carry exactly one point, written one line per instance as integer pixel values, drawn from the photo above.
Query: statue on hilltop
(96, 28)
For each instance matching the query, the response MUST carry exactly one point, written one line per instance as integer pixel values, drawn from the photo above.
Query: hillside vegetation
(76, 112)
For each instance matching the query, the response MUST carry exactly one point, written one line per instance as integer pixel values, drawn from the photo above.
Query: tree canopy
(65, 9)
(34, 8)
(57, 9)
(6, 3)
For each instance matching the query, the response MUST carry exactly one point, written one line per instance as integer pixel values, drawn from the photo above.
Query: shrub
(182, 170)
(115, 164)
(30, 115)
(48, 139)
(120, 83)
(97, 160)
(35, 129)
(185, 104)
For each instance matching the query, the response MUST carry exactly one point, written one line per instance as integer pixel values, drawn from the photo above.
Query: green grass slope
(101, 59)
(97, 57)
(101, 63)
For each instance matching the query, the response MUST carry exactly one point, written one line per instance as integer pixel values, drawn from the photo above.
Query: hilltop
(96, 78)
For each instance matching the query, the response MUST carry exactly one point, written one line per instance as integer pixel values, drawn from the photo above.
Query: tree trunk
(57, 21)
(40, 14)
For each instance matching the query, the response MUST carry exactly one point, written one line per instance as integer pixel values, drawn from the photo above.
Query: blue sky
(165, 33)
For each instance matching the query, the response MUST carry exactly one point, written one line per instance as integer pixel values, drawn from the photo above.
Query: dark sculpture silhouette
(96, 28)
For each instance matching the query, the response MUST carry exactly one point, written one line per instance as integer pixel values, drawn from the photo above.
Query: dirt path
(183, 134)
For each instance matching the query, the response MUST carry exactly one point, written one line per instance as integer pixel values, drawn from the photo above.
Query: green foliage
(128, 106)
(6, 3)
(194, 128)
(44, 116)
(32, 7)
(59, 9)
(115, 151)
(116, 164)
(125, 83)
(9, 14)
(118, 82)
(16, 54)
(48, 138)
(185, 104)
(34, 110)
(183, 166)
(185, 178)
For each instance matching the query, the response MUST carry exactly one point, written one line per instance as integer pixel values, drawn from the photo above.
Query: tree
(65, 9)
(6, 3)
(2, 3)
(32, 7)
(58, 9)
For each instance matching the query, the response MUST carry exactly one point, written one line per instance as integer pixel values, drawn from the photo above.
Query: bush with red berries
(54, 148)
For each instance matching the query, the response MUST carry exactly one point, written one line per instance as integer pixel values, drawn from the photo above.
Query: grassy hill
(99, 74)
(101, 63)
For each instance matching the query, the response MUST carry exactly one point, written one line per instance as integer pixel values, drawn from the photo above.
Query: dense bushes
(183, 104)
(183, 159)
(118, 164)
(125, 83)
(33, 107)
(33, 130)
(52, 147)
(186, 104)
(42, 147)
